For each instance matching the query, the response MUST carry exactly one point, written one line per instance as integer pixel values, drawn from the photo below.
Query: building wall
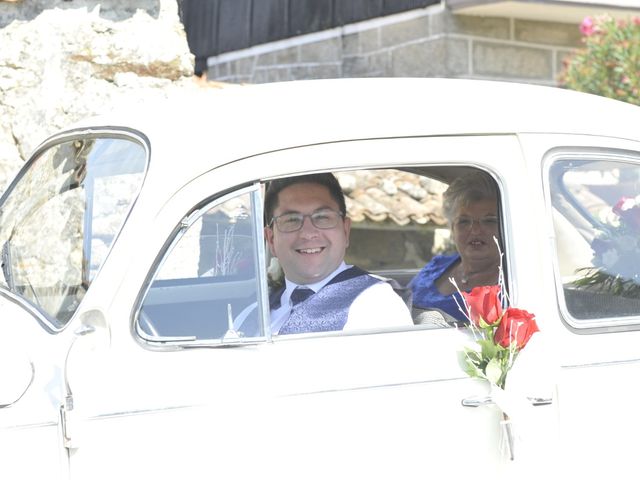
(427, 42)
(218, 26)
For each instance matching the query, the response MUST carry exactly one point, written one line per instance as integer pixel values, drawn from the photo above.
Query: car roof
(206, 127)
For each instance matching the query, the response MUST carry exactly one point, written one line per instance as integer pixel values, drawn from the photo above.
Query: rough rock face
(116, 10)
(62, 60)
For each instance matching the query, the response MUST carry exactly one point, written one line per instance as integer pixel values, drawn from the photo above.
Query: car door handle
(477, 401)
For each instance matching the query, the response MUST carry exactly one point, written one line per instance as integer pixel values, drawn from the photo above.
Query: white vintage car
(131, 243)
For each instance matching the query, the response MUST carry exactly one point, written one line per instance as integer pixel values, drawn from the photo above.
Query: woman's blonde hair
(466, 189)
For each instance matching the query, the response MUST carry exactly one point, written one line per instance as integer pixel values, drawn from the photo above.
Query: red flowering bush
(609, 63)
(500, 334)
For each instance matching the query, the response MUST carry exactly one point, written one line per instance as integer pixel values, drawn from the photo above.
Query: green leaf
(471, 363)
(488, 348)
(493, 371)
(474, 371)
(475, 359)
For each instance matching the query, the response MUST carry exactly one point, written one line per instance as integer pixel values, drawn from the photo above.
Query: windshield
(59, 219)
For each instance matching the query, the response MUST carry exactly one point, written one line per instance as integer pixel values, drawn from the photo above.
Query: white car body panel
(374, 404)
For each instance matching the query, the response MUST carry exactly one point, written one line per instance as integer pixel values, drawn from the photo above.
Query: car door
(58, 220)
(181, 391)
(592, 193)
(31, 397)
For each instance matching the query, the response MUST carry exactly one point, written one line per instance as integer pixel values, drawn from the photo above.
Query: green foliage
(491, 362)
(601, 281)
(609, 63)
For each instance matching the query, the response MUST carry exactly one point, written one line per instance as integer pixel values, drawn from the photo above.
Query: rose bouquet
(616, 266)
(500, 333)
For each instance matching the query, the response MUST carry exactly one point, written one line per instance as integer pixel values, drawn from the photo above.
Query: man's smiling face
(310, 254)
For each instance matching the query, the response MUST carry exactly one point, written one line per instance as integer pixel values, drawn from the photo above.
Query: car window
(597, 225)
(207, 279)
(59, 219)
(397, 222)
(207, 285)
(399, 231)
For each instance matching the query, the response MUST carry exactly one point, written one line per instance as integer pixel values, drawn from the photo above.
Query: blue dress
(425, 292)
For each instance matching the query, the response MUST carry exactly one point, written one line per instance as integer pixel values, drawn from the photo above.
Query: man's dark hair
(276, 186)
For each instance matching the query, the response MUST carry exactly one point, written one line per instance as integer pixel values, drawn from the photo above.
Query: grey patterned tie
(299, 295)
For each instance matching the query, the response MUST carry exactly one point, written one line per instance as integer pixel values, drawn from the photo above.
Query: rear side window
(596, 217)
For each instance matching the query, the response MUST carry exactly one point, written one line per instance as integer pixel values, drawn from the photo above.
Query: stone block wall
(428, 42)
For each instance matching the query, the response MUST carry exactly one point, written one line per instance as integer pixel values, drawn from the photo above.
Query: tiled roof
(392, 196)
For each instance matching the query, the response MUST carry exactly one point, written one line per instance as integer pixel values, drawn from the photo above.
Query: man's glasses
(489, 222)
(292, 222)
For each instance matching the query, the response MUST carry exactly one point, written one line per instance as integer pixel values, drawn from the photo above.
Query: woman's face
(473, 228)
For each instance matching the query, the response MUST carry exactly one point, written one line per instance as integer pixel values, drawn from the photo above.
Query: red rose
(484, 302)
(516, 326)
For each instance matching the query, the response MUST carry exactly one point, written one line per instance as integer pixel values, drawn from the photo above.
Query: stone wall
(62, 60)
(430, 42)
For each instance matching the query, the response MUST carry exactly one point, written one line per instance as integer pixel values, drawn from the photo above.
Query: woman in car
(471, 208)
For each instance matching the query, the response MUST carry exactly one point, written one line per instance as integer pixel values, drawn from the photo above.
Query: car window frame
(567, 153)
(489, 153)
(49, 323)
(254, 190)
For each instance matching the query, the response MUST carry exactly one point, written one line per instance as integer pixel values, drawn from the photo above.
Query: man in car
(308, 231)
